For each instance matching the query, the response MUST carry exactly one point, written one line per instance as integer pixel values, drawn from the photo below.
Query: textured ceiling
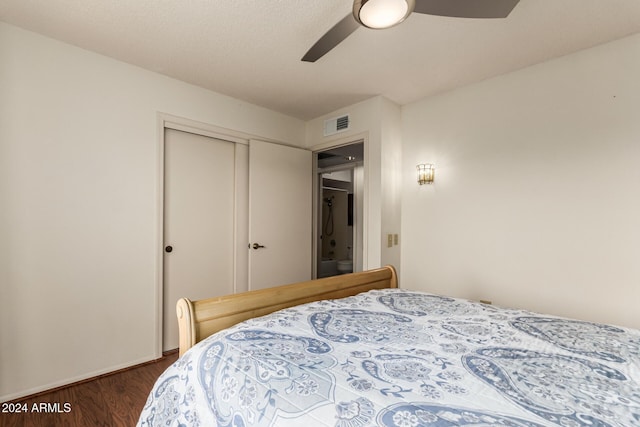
(251, 49)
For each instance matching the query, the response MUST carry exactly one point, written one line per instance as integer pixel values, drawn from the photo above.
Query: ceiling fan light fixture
(379, 14)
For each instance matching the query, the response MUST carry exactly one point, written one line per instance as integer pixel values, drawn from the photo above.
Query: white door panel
(199, 203)
(280, 203)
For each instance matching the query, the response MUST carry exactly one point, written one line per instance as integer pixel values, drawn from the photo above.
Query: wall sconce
(425, 173)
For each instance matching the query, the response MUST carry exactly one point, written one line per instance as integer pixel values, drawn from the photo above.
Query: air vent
(336, 125)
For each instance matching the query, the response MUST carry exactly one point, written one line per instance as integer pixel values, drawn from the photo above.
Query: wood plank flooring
(113, 400)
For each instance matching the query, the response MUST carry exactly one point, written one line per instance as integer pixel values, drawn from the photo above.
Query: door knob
(168, 249)
(257, 246)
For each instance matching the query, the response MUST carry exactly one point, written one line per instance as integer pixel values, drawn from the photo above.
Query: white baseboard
(69, 381)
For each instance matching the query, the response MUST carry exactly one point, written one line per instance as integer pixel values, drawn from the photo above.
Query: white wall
(391, 186)
(535, 202)
(79, 205)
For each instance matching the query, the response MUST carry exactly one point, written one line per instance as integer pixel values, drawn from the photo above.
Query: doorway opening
(339, 214)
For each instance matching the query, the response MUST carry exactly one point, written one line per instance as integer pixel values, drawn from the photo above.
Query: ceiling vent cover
(336, 125)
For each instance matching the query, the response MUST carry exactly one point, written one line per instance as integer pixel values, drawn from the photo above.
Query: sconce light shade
(425, 173)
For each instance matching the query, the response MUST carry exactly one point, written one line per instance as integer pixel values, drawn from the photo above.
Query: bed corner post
(394, 276)
(186, 324)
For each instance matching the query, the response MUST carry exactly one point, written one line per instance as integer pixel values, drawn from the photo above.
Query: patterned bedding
(398, 358)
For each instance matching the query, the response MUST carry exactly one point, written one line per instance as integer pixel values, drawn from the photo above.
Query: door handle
(257, 246)
(168, 249)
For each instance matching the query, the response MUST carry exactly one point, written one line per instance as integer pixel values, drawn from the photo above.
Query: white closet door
(199, 203)
(280, 200)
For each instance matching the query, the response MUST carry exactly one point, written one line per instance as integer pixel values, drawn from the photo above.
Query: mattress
(394, 357)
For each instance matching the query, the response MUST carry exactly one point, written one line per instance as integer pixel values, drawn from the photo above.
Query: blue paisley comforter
(398, 358)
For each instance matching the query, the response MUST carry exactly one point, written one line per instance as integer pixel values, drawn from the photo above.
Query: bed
(356, 351)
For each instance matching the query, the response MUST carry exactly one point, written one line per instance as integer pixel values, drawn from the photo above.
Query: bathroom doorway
(339, 214)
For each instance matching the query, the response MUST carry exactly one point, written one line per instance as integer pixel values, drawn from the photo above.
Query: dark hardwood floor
(113, 400)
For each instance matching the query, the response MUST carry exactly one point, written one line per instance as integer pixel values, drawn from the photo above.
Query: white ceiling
(251, 49)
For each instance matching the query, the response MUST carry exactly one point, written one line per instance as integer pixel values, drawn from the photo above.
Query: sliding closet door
(199, 201)
(280, 200)
(222, 199)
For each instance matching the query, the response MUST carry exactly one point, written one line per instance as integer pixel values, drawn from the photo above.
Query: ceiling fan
(380, 14)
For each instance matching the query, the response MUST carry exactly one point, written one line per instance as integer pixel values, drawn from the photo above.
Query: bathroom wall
(337, 236)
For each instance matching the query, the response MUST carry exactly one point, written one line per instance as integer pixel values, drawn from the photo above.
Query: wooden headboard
(199, 319)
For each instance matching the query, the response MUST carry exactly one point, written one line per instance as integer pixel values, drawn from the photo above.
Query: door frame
(363, 138)
(241, 211)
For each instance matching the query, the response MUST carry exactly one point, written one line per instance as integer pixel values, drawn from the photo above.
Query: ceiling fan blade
(331, 38)
(466, 8)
